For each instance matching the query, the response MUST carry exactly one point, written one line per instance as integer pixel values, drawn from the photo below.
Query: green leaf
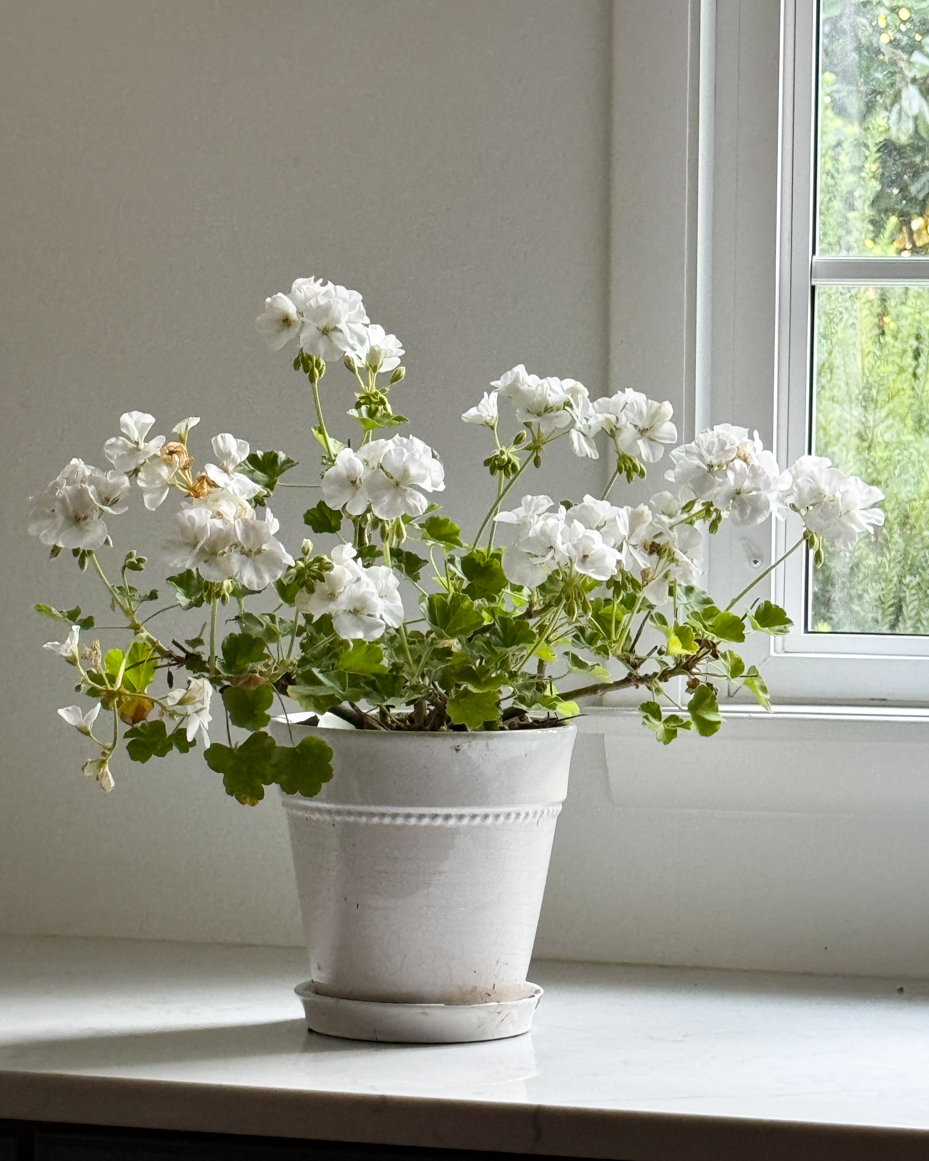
(734, 664)
(770, 618)
(302, 769)
(241, 651)
(266, 468)
(267, 626)
(70, 616)
(246, 707)
(315, 696)
(577, 664)
(484, 574)
(334, 445)
(322, 519)
(453, 615)
(152, 740)
(545, 653)
(246, 769)
(473, 709)
(372, 418)
(704, 711)
(112, 663)
(140, 666)
(362, 657)
(754, 682)
(409, 563)
(665, 728)
(190, 589)
(681, 641)
(727, 627)
(441, 530)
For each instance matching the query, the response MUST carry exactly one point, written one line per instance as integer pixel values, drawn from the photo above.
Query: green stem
(314, 381)
(609, 487)
(503, 491)
(212, 634)
(127, 611)
(762, 575)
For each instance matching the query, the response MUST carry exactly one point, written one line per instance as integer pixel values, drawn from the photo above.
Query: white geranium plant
(407, 620)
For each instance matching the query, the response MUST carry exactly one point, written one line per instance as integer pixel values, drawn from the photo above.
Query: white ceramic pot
(420, 870)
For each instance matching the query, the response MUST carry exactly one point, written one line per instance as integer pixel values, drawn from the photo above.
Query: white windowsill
(625, 1063)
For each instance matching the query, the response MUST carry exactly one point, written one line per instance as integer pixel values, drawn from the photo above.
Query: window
(843, 347)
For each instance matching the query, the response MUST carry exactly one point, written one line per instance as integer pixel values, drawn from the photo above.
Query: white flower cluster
(70, 512)
(224, 541)
(639, 425)
(154, 463)
(600, 540)
(331, 323)
(385, 474)
(191, 706)
(362, 602)
(835, 506)
(731, 469)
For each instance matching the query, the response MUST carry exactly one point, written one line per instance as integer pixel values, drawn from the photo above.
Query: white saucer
(419, 1023)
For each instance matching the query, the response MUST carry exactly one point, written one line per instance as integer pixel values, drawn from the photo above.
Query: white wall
(164, 167)
(167, 165)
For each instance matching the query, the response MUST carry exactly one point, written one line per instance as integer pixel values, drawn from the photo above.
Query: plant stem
(609, 487)
(212, 634)
(503, 491)
(127, 611)
(314, 381)
(762, 575)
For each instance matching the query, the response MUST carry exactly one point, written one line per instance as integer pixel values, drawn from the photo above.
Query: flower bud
(307, 547)
(399, 374)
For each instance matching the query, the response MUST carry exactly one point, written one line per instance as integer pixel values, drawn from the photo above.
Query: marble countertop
(628, 1063)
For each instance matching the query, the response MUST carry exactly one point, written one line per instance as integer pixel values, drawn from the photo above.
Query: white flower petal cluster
(485, 412)
(131, 450)
(329, 319)
(542, 402)
(99, 768)
(680, 545)
(192, 707)
(362, 602)
(381, 352)
(225, 543)
(69, 512)
(66, 648)
(731, 469)
(83, 722)
(641, 426)
(594, 538)
(229, 453)
(389, 474)
(835, 506)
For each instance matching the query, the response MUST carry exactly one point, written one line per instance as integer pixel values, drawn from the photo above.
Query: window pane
(874, 128)
(872, 421)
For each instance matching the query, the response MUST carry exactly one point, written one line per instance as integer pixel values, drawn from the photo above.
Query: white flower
(258, 559)
(343, 483)
(107, 489)
(79, 523)
(99, 768)
(279, 322)
(750, 491)
(230, 452)
(130, 450)
(43, 514)
(399, 466)
(361, 602)
(224, 504)
(381, 352)
(542, 402)
(588, 552)
(484, 412)
(84, 722)
(182, 429)
(182, 548)
(529, 508)
(334, 321)
(647, 427)
(304, 290)
(387, 586)
(68, 647)
(835, 506)
(586, 420)
(215, 560)
(701, 466)
(192, 706)
(155, 479)
(679, 548)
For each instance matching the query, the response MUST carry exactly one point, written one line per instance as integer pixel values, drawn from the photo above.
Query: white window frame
(755, 268)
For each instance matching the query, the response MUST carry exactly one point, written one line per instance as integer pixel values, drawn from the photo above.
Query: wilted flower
(99, 768)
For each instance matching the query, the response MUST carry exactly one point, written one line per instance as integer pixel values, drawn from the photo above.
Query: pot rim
(457, 735)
